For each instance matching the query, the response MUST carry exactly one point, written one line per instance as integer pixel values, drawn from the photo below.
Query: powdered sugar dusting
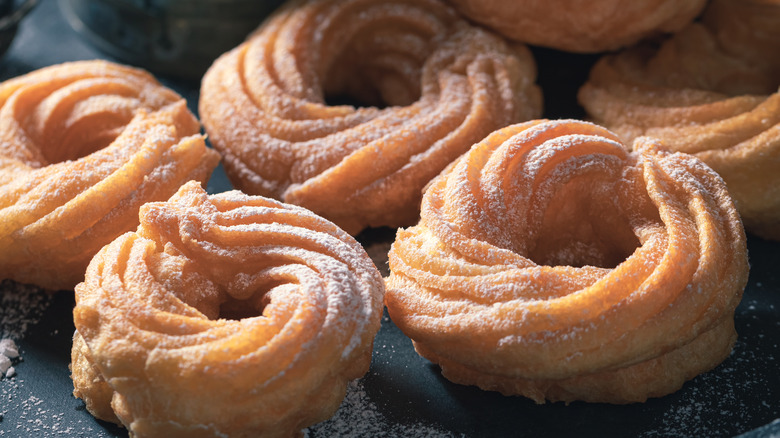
(722, 392)
(21, 306)
(358, 416)
(36, 419)
(9, 353)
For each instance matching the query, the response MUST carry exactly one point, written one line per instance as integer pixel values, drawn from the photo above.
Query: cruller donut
(552, 263)
(582, 26)
(224, 315)
(446, 84)
(82, 146)
(710, 90)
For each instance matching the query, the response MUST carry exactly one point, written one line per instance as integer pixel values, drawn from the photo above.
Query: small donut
(712, 91)
(82, 146)
(581, 26)
(224, 315)
(443, 85)
(550, 262)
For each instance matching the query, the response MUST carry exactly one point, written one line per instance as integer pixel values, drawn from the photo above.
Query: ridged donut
(581, 26)
(712, 91)
(552, 263)
(446, 85)
(224, 315)
(82, 146)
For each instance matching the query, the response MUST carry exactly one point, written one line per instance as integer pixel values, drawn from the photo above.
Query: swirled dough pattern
(446, 85)
(712, 91)
(224, 315)
(582, 26)
(82, 146)
(552, 263)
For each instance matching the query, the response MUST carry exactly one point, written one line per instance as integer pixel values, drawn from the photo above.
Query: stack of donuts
(598, 260)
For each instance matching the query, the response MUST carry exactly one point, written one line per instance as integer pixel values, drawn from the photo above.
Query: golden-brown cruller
(712, 91)
(224, 315)
(433, 85)
(582, 26)
(552, 263)
(82, 146)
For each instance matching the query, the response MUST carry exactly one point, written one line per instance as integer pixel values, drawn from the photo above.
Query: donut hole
(373, 70)
(583, 225)
(190, 283)
(236, 309)
(222, 305)
(82, 140)
(252, 302)
(71, 131)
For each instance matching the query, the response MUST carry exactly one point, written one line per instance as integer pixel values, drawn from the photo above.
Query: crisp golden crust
(225, 315)
(712, 91)
(88, 383)
(550, 262)
(82, 146)
(447, 84)
(582, 26)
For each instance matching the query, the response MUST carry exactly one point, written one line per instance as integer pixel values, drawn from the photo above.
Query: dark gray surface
(402, 390)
